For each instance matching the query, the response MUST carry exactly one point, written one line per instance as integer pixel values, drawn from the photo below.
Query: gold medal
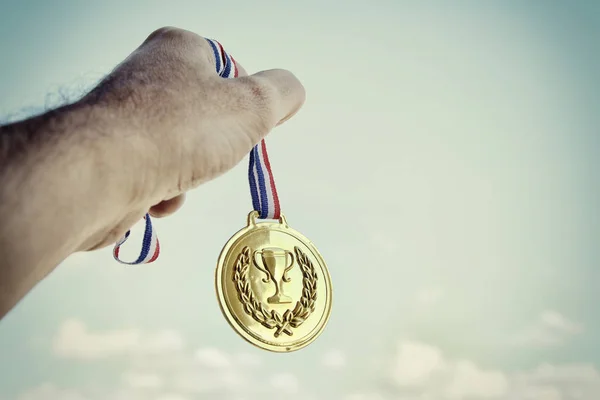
(273, 286)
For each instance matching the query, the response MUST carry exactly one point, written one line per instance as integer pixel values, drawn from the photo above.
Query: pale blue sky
(444, 164)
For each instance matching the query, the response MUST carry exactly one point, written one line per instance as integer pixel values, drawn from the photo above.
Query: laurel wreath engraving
(272, 319)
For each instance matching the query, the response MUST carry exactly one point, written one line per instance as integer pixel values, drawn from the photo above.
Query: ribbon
(150, 245)
(262, 184)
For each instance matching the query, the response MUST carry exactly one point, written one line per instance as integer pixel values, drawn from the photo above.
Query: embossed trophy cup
(274, 263)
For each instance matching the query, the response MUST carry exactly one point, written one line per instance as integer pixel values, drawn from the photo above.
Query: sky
(444, 164)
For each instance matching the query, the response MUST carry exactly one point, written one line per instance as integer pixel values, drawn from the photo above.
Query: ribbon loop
(150, 245)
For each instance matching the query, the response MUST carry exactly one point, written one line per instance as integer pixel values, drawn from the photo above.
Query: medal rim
(229, 315)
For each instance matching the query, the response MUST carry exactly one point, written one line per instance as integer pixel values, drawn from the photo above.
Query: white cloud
(570, 372)
(421, 371)
(554, 320)
(143, 381)
(161, 368)
(469, 381)
(569, 381)
(171, 396)
(334, 359)
(212, 357)
(49, 391)
(183, 378)
(247, 360)
(204, 372)
(415, 363)
(284, 383)
(549, 329)
(540, 393)
(365, 396)
(74, 340)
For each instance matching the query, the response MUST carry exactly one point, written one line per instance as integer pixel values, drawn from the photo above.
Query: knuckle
(158, 33)
(180, 44)
(172, 34)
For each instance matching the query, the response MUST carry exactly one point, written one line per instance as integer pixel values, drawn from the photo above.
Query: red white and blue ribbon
(150, 245)
(262, 184)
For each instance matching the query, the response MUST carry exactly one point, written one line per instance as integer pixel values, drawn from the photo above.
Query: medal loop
(254, 215)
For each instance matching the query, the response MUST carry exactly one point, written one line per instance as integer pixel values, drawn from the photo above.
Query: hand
(78, 177)
(193, 124)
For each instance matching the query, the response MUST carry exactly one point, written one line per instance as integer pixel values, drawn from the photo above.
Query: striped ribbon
(150, 245)
(262, 184)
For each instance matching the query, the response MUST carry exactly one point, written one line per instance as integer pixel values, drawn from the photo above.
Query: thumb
(276, 93)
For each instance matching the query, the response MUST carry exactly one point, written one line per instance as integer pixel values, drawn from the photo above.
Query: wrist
(62, 187)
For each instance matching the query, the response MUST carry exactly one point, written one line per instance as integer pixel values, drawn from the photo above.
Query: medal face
(273, 286)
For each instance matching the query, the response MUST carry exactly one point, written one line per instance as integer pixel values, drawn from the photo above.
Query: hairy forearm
(59, 185)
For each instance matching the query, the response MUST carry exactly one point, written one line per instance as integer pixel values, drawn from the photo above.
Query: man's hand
(194, 125)
(163, 122)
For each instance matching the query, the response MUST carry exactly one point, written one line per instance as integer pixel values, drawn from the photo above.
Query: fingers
(167, 207)
(276, 94)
